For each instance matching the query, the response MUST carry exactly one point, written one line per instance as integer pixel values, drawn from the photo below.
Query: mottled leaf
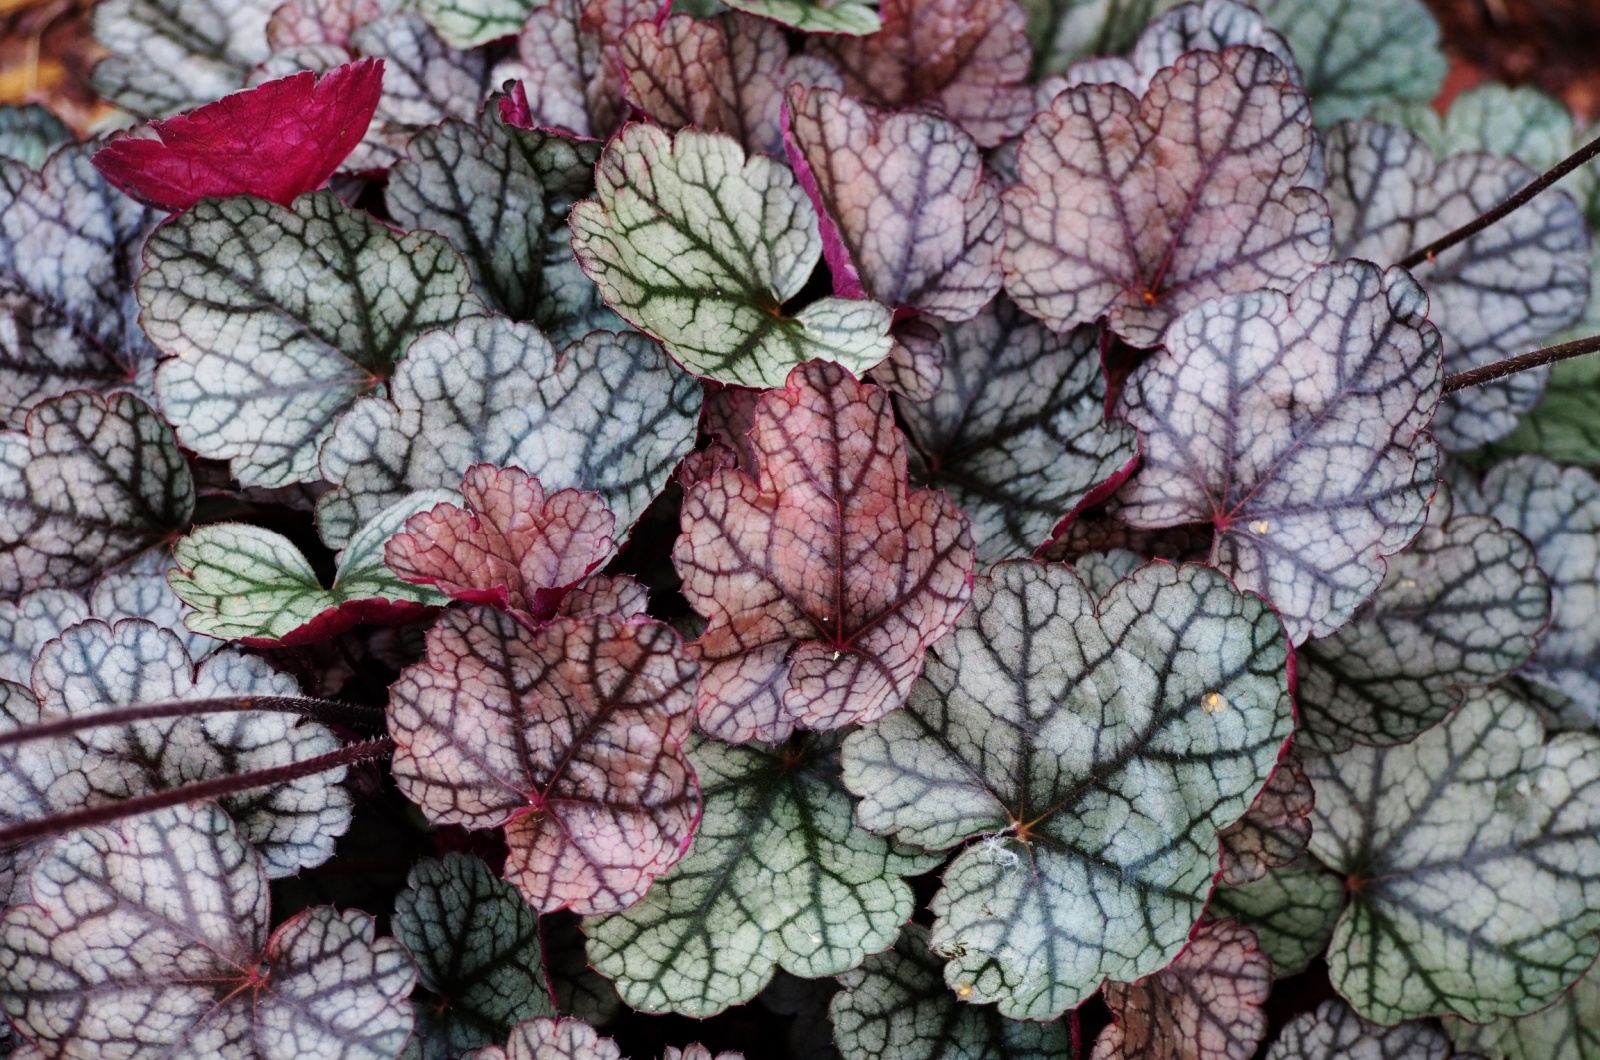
(139, 589)
(298, 22)
(170, 55)
(253, 585)
(1212, 26)
(542, 1038)
(1497, 294)
(915, 222)
(1565, 425)
(569, 736)
(1335, 1032)
(1292, 910)
(701, 246)
(469, 23)
(779, 875)
(1064, 31)
(88, 483)
(1294, 424)
(915, 365)
(608, 413)
(476, 944)
(30, 134)
(1207, 1005)
(150, 939)
(1094, 749)
(277, 318)
(562, 57)
(1567, 1030)
(1274, 832)
(1473, 860)
(823, 576)
(1142, 209)
(850, 17)
(30, 622)
(1016, 432)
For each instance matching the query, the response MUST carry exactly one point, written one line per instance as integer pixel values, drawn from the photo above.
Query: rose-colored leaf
(914, 368)
(570, 736)
(1140, 209)
(1274, 831)
(966, 59)
(824, 577)
(1206, 1006)
(274, 141)
(300, 22)
(618, 596)
(908, 198)
(513, 547)
(542, 1038)
(566, 61)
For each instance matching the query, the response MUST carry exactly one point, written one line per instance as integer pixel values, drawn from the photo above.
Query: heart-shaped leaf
(896, 1007)
(253, 585)
(609, 413)
(30, 134)
(823, 576)
(562, 57)
(850, 17)
(150, 939)
(1292, 910)
(1335, 1032)
(661, 240)
(469, 23)
(1567, 1030)
(1495, 295)
(1295, 426)
(1207, 1005)
(171, 55)
(476, 944)
(1462, 607)
(570, 736)
(277, 318)
(1473, 860)
(542, 1038)
(1016, 432)
(1094, 748)
(88, 483)
(1211, 26)
(779, 875)
(1142, 209)
(1275, 830)
(275, 141)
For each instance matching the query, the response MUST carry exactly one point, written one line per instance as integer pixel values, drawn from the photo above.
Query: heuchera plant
(1040, 529)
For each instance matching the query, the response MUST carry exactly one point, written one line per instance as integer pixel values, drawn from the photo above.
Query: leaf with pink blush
(1276, 829)
(274, 141)
(542, 1038)
(824, 577)
(565, 60)
(300, 22)
(1138, 210)
(569, 736)
(513, 547)
(964, 59)
(914, 368)
(917, 220)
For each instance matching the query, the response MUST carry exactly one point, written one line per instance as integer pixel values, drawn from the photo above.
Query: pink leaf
(1275, 830)
(275, 141)
(825, 578)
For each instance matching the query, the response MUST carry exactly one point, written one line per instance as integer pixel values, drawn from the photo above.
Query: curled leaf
(1275, 830)
(170, 55)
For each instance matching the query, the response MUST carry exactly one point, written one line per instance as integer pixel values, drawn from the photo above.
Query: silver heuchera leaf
(1294, 424)
(1335, 1032)
(848, 17)
(1209, 26)
(425, 81)
(571, 81)
(276, 319)
(1473, 860)
(30, 134)
(1495, 295)
(700, 246)
(32, 621)
(90, 482)
(171, 55)
(1094, 749)
(469, 23)
(1016, 433)
(1292, 910)
(779, 875)
(1064, 31)
(1567, 1030)
(149, 939)
(896, 1007)
(542, 1038)
(609, 413)
(1141, 209)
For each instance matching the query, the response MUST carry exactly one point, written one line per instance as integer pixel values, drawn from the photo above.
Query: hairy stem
(1511, 366)
(1510, 206)
(356, 717)
(204, 789)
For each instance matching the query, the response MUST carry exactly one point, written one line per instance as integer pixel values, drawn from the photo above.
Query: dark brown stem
(24, 831)
(1511, 366)
(1511, 205)
(356, 717)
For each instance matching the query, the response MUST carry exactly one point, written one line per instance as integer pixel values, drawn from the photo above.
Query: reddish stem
(328, 710)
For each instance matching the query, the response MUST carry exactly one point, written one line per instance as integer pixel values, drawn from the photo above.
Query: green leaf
(1064, 31)
(1567, 1030)
(851, 17)
(1565, 425)
(469, 23)
(30, 134)
(1292, 910)
(701, 246)
(172, 55)
(1473, 855)
(1334, 1032)
(277, 318)
(779, 875)
(1095, 748)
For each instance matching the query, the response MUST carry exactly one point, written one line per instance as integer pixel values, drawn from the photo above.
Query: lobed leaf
(915, 365)
(140, 589)
(171, 55)
(609, 413)
(1211, 26)
(1292, 910)
(469, 23)
(298, 22)
(579, 990)
(32, 621)
(572, 83)
(701, 247)
(823, 577)
(1064, 31)
(1294, 424)
(1094, 748)
(1140, 210)
(30, 134)
(425, 81)
(779, 875)
(848, 17)
(1334, 1032)
(1274, 832)
(1567, 1030)
(1473, 860)
(542, 1038)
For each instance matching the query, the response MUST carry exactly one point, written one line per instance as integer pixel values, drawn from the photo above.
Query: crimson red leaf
(825, 577)
(276, 141)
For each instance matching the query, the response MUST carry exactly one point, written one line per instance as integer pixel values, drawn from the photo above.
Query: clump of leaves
(929, 528)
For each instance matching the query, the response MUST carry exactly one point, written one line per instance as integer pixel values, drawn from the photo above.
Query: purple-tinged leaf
(964, 59)
(32, 621)
(1105, 530)
(1141, 209)
(823, 576)
(851, 17)
(917, 218)
(1274, 832)
(1335, 1032)
(1295, 425)
(570, 736)
(607, 596)
(542, 1038)
(171, 55)
(88, 483)
(1495, 295)
(1292, 910)
(150, 939)
(1211, 26)
(566, 62)
(298, 22)
(915, 365)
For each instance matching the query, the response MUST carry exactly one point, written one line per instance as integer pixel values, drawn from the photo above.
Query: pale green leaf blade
(1565, 425)
(1292, 910)
(469, 23)
(1064, 31)
(30, 134)
(850, 17)
(1567, 1030)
